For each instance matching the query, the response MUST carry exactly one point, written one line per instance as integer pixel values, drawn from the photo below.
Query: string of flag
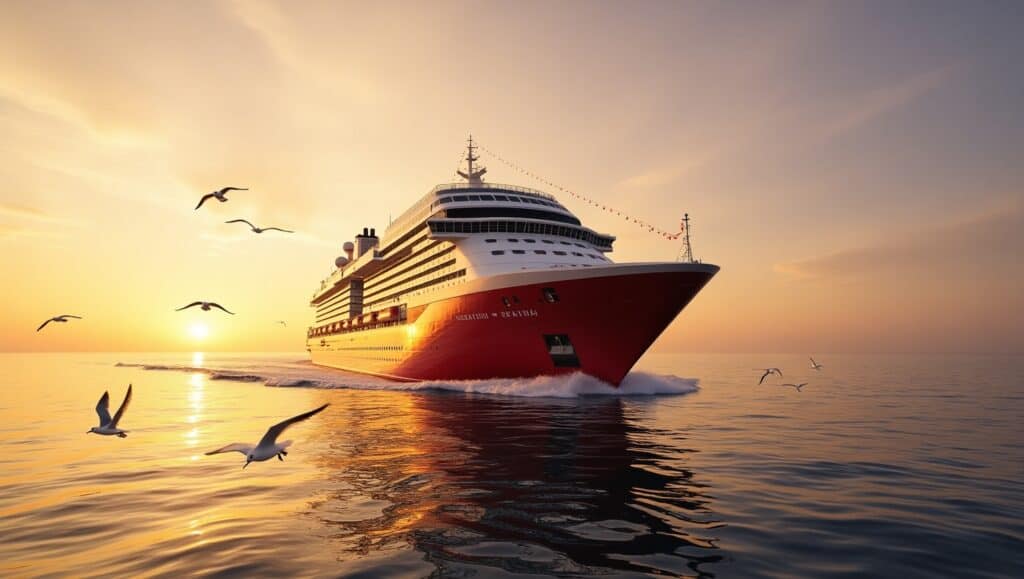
(602, 206)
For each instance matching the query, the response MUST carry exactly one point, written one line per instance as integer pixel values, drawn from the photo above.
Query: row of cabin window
(518, 227)
(544, 252)
(453, 198)
(548, 241)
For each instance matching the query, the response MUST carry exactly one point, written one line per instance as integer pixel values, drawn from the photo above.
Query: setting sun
(198, 331)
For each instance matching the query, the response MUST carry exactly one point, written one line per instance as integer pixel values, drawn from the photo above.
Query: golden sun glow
(199, 331)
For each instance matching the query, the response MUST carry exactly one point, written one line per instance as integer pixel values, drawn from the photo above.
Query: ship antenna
(475, 177)
(686, 252)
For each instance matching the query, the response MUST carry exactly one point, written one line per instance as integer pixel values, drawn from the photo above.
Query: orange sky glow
(861, 192)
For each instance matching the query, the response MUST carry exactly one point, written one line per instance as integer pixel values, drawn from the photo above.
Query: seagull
(268, 447)
(282, 323)
(815, 365)
(206, 307)
(799, 387)
(220, 195)
(259, 229)
(61, 318)
(108, 425)
(768, 371)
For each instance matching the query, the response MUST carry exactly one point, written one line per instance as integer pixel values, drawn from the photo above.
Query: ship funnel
(365, 242)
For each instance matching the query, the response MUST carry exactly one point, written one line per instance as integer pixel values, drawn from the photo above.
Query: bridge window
(498, 252)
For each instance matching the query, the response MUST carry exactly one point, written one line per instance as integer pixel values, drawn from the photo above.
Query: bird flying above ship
(205, 306)
(219, 195)
(268, 447)
(61, 318)
(108, 425)
(259, 229)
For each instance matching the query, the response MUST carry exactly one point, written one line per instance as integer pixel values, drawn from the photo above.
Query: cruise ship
(479, 280)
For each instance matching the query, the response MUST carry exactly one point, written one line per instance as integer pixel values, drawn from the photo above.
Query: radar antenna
(475, 177)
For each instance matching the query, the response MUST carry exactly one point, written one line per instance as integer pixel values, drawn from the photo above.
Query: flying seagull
(815, 365)
(282, 323)
(206, 307)
(61, 318)
(268, 447)
(108, 425)
(259, 229)
(768, 371)
(220, 195)
(799, 387)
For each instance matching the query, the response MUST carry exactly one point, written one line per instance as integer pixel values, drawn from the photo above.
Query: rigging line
(643, 224)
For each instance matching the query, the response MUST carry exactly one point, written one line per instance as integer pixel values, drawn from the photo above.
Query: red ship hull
(598, 321)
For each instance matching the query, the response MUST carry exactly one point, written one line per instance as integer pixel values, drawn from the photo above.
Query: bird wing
(203, 199)
(278, 229)
(44, 324)
(274, 431)
(218, 306)
(763, 376)
(102, 409)
(778, 371)
(189, 306)
(233, 447)
(241, 221)
(69, 316)
(226, 189)
(124, 406)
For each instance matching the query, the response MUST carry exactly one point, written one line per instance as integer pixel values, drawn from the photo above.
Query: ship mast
(475, 177)
(686, 252)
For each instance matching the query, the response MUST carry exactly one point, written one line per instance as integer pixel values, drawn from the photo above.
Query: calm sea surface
(893, 466)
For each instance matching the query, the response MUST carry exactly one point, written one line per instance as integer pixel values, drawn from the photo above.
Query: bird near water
(815, 366)
(63, 318)
(259, 229)
(799, 387)
(219, 195)
(108, 425)
(205, 307)
(268, 447)
(767, 372)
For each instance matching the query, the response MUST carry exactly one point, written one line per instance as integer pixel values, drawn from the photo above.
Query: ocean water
(883, 466)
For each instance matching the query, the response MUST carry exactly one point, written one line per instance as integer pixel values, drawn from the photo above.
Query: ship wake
(305, 375)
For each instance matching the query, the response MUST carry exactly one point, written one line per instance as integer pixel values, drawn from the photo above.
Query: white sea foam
(304, 374)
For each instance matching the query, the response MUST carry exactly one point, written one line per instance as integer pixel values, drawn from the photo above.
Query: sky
(856, 169)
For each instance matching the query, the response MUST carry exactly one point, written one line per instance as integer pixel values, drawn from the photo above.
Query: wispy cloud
(883, 100)
(995, 236)
(670, 174)
(292, 49)
(31, 213)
